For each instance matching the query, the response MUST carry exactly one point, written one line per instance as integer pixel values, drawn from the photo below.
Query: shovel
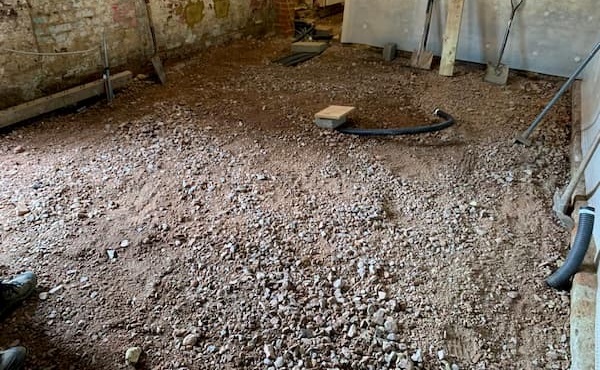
(498, 74)
(156, 62)
(523, 138)
(422, 58)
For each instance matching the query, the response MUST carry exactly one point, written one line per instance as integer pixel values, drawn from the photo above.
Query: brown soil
(240, 214)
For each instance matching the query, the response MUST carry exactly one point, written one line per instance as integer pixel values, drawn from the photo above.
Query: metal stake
(524, 137)
(110, 95)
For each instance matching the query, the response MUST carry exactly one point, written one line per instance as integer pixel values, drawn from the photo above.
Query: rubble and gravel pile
(181, 229)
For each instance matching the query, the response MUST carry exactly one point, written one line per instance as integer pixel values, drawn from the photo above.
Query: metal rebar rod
(513, 11)
(523, 138)
(565, 199)
(110, 95)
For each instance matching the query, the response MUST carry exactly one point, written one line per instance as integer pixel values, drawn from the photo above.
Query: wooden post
(450, 39)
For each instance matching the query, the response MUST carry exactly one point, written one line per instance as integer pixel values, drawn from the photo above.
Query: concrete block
(309, 47)
(583, 311)
(330, 123)
(389, 52)
(333, 116)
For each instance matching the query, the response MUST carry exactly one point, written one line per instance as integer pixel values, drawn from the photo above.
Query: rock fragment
(132, 355)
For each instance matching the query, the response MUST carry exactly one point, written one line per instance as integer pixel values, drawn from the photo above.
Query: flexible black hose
(561, 278)
(449, 121)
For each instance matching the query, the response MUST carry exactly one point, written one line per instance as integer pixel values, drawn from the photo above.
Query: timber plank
(450, 38)
(59, 100)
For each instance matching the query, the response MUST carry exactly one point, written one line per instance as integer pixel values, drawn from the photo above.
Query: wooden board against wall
(450, 38)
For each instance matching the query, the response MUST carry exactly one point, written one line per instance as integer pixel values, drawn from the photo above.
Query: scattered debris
(22, 210)
(56, 289)
(132, 355)
(112, 254)
(190, 340)
(269, 351)
(18, 149)
(342, 230)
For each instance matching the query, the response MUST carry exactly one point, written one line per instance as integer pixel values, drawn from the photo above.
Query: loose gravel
(211, 224)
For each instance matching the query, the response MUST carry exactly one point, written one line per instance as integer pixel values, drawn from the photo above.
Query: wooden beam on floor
(61, 99)
(450, 38)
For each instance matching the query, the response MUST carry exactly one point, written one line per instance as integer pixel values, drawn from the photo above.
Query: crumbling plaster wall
(50, 26)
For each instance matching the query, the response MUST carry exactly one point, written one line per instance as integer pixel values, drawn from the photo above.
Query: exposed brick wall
(284, 16)
(182, 26)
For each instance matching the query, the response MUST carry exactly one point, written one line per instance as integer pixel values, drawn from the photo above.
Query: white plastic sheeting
(590, 115)
(590, 127)
(549, 36)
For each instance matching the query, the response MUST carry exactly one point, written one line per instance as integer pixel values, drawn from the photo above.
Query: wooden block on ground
(389, 52)
(308, 47)
(333, 116)
(450, 38)
(61, 99)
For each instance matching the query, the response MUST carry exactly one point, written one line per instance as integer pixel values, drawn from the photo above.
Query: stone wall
(57, 26)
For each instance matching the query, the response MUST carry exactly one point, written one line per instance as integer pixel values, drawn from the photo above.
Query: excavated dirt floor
(212, 224)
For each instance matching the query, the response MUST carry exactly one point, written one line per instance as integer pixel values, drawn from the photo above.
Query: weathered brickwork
(51, 26)
(284, 16)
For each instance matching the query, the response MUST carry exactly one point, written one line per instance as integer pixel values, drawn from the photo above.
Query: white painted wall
(548, 36)
(590, 111)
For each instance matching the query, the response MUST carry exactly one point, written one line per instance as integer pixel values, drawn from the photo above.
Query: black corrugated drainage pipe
(449, 121)
(561, 278)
